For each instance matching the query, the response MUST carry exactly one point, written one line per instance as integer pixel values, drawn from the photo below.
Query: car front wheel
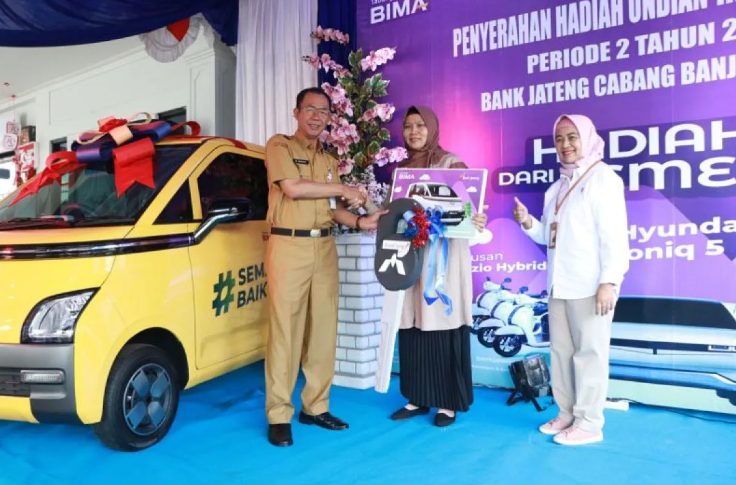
(141, 399)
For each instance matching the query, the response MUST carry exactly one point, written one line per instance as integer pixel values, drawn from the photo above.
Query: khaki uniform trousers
(579, 349)
(302, 287)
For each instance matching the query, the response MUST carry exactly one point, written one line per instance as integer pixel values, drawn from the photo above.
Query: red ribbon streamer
(193, 127)
(57, 165)
(134, 163)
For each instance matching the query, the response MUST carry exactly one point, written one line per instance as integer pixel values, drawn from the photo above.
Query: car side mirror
(222, 211)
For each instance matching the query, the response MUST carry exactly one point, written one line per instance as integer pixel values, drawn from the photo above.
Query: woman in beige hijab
(434, 348)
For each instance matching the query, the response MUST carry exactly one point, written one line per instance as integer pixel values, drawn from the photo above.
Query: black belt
(282, 231)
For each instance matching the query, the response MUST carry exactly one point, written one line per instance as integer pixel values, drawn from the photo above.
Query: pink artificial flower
(377, 58)
(398, 154)
(383, 111)
(326, 61)
(324, 137)
(368, 115)
(345, 166)
(330, 34)
(340, 102)
(312, 60)
(342, 135)
(389, 155)
(341, 72)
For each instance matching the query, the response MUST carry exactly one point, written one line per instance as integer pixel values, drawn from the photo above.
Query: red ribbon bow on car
(133, 161)
(117, 128)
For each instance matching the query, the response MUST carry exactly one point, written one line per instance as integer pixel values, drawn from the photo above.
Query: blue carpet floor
(219, 437)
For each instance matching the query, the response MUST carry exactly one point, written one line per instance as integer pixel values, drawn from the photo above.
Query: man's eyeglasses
(322, 112)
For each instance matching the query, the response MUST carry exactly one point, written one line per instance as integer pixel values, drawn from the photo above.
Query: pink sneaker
(554, 426)
(574, 436)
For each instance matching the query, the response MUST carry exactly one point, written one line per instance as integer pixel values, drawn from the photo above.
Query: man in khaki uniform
(301, 264)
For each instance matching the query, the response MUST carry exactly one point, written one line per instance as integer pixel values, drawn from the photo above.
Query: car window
(672, 311)
(441, 190)
(88, 195)
(179, 208)
(233, 176)
(444, 191)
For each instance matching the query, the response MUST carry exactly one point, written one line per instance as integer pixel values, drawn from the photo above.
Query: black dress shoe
(442, 420)
(280, 434)
(324, 420)
(404, 413)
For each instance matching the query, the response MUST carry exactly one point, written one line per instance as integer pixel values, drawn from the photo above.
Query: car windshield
(672, 311)
(87, 196)
(441, 191)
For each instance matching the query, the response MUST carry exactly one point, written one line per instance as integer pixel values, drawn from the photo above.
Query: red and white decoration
(9, 131)
(168, 43)
(25, 163)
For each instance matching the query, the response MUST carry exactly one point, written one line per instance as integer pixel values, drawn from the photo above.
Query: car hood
(38, 264)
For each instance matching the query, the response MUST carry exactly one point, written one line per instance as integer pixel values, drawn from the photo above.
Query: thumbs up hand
(521, 214)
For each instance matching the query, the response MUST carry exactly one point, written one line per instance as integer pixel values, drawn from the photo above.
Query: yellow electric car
(111, 304)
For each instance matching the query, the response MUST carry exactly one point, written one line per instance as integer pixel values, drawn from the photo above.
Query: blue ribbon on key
(435, 285)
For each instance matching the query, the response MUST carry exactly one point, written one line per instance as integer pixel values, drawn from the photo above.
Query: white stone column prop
(393, 302)
(359, 312)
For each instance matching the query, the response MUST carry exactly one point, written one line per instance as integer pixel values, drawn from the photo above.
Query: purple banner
(657, 77)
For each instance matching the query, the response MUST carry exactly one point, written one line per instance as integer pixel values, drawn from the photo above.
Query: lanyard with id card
(554, 227)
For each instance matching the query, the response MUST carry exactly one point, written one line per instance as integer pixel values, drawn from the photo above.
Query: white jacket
(592, 244)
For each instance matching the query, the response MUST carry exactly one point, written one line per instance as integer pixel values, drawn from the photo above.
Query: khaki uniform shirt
(290, 158)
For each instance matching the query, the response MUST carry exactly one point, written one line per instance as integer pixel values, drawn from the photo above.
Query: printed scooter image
(504, 320)
(527, 323)
(495, 299)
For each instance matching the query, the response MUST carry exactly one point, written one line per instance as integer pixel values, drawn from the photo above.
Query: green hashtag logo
(223, 293)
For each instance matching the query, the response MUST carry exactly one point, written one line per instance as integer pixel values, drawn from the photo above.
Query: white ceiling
(25, 68)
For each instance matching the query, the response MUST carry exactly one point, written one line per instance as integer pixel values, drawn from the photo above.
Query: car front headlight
(54, 319)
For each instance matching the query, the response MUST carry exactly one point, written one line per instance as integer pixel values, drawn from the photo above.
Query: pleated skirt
(435, 368)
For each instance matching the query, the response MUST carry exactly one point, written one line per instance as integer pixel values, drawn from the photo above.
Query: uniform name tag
(301, 161)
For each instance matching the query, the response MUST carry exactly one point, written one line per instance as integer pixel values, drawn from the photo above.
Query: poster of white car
(457, 193)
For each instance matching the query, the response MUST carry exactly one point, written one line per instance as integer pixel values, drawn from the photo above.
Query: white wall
(202, 80)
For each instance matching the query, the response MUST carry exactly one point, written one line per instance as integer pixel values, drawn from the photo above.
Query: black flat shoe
(404, 413)
(280, 434)
(324, 420)
(442, 420)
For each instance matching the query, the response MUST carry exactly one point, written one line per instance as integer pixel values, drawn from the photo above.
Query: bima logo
(382, 11)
